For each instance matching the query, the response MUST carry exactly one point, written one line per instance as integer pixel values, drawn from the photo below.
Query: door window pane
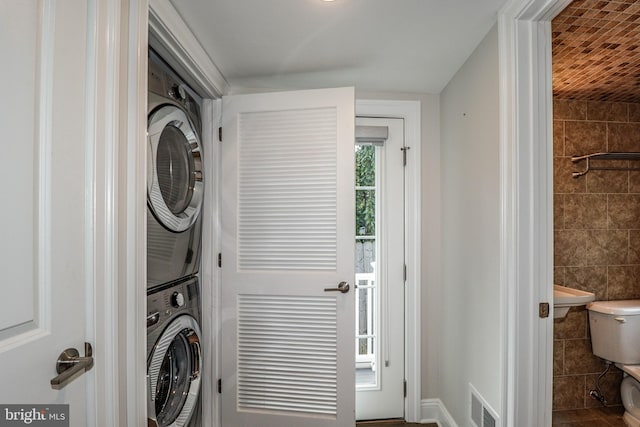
(366, 291)
(365, 166)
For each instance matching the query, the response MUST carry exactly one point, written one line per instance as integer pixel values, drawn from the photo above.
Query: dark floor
(597, 417)
(605, 417)
(392, 423)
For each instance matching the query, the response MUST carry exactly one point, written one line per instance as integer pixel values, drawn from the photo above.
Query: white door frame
(116, 176)
(410, 112)
(527, 207)
(116, 203)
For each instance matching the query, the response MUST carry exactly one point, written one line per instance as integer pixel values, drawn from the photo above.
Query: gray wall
(470, 337)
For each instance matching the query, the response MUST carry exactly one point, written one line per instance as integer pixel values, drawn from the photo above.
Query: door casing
(526, 174)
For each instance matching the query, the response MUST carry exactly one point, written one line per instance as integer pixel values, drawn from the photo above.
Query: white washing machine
(175, 178)
(174, 354)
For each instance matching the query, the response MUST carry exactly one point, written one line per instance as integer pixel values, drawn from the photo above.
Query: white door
(287, 242)
(380, 273)
(44, 183)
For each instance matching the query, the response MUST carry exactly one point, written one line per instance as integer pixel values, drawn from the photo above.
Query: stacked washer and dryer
(175, 187)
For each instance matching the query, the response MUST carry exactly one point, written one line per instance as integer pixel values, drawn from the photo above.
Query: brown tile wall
(596, 236)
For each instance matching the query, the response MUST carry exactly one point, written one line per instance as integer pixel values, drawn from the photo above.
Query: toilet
(615, 336)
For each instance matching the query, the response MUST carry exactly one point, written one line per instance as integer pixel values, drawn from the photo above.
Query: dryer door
(174, 182)
(173, 373)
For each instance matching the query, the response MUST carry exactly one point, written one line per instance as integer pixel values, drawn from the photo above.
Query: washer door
(174, 373)
(174, 181)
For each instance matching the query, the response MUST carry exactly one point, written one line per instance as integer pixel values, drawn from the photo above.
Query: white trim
(410, 112)
(133, 155)
(527, 197)
(507, 233)
(210, 274)
(183, 51)
(215, 301)
(116, 203)
(434, 411)
(102, 209)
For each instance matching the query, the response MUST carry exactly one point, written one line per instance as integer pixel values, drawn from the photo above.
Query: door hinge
(404, 387)
(220, 134)
(219, 260)
(404, 155)
(543, 310)
(405, 272)
(219, 386)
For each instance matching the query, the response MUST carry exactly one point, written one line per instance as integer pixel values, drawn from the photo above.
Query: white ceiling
(374, 45)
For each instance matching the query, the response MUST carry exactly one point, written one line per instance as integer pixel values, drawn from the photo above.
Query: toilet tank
(615, 330)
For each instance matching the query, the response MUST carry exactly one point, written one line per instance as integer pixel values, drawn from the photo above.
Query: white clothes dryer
(175, 178)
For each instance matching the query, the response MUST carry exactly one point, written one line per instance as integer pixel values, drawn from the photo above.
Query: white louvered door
(287, 234)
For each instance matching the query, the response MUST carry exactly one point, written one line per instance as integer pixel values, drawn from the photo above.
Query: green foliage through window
(365, 199)
(365, 166)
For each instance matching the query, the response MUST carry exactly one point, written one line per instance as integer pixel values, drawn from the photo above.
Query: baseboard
(434, 411)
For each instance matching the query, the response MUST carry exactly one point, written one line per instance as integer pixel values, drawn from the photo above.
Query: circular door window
(174, 373)
(174, 183)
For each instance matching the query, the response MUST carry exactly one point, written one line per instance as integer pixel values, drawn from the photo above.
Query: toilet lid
(630, 391)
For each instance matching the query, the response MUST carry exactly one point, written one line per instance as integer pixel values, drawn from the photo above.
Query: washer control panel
(170, 300)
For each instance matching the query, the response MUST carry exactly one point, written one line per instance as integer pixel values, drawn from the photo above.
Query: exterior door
(380, 273)
(43, 216)
(287, 245)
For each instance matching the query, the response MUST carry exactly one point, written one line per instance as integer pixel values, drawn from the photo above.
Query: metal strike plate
(543, 310)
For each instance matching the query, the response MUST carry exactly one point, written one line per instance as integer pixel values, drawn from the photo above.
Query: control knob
(178, 92)
(177, 299)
